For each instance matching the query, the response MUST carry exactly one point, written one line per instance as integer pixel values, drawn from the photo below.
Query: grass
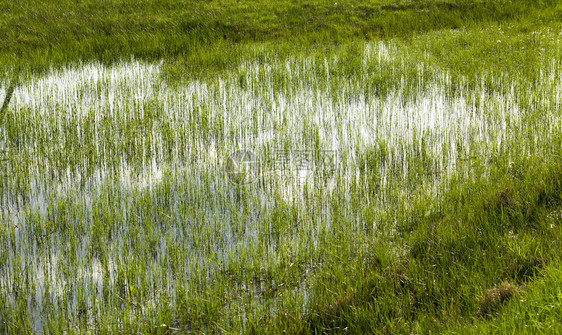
(535, 312)
(40, 34)
(456, 268)
(440, 213)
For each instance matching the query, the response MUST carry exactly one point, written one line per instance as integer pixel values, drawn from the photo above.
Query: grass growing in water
(122, 216)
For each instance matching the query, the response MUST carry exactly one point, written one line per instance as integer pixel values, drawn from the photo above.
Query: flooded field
(126, 199)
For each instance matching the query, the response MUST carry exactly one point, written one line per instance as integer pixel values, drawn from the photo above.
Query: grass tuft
(495, 297)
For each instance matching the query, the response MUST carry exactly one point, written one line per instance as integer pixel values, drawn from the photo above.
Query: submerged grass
(118, 208)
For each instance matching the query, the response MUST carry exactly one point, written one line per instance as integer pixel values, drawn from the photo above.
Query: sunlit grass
(117, 208)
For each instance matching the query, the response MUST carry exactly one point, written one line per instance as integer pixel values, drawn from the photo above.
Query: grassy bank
(492, 231)
(40, 34)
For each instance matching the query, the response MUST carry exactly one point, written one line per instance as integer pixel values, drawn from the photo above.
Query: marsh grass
(118, 214)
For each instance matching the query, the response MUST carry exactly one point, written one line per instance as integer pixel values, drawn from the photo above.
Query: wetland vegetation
(287, 166)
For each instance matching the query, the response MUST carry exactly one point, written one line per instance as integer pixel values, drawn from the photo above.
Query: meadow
(268, 167)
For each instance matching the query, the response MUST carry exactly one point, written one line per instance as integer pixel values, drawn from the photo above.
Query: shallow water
(146, 162)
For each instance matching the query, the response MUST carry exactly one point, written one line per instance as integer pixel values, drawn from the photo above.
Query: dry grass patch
(495, 297)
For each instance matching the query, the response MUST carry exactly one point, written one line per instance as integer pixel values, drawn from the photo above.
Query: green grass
(503, 228)
(117, 212)
(40, 34)
(536, 310)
